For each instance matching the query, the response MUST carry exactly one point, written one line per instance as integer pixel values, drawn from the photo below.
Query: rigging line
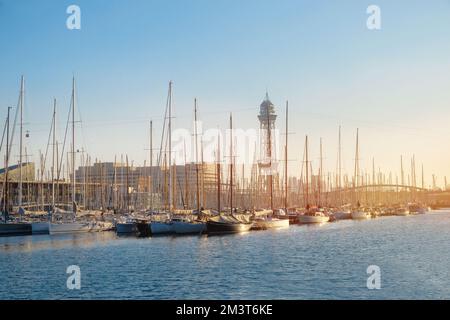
(163, 129)
(3, 135)
(46, 149)
(64, 143)
(11, 140)
(81, 125)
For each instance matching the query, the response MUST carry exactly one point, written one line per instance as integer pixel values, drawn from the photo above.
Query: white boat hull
(265, 224)
(312, 219)
(161, 227)
(182, 227)
(360, 215)
(72, 227)
(40, 227)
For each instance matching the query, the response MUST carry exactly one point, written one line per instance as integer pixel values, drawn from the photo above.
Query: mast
(320, 174)
(128, 186)
(340, 168)
(286, 178)
(170, 146)
(53, 155)
(151, 166)
(307, 173)
(231, 163)
(355, 179)
(196, 155)
(6, 182)
(186, 189)
(114, 189)
(203, 175)
(22, 94)
(218, 173)
(73, 146)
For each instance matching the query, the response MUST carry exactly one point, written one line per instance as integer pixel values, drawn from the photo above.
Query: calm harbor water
(302, 262)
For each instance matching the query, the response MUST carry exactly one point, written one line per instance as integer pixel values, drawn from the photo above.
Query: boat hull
(40, 228)
(15, 229)
(305, 219)
(161, 228)
(402, 213)
(270, 224)
(360, 215)
(213, 227)
(126, 228)
(342, 215)
(73, 227)
(181, 227)
(292, 218)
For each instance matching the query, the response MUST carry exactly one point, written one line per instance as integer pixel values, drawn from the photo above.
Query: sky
(393, 83)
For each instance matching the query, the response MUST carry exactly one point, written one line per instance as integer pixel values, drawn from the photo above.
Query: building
(28, 172)
(144, 181)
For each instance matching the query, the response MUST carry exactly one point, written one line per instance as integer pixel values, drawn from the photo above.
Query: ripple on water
(320, 262)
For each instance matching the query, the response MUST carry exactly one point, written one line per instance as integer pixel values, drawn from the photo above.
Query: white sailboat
(71, 226)
(312, 215)
(358, 213)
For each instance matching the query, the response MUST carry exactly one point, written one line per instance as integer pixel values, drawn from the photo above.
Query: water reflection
(41, 242)
(305, 261)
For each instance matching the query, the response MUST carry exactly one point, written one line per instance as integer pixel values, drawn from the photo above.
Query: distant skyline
(393, 84)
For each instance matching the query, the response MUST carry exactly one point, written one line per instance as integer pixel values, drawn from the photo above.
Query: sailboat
(342, 212)
(8, 228)
(231, 223)
(185, 225)
(312, 215)
(358, 213)
(166, 226)
(44, 227)
(70, 226)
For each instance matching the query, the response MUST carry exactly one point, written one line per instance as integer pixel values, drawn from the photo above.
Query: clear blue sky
(392, 83)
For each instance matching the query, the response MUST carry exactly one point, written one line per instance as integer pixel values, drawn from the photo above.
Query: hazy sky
(393, 83)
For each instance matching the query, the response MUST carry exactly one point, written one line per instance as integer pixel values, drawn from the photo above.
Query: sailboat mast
(22, 89)
(150, 189)
(196, 157)
(73, 144)
(6, 182)
(307, 173)
(186, 189)
(320, 174)
(231, 163)
(286, 178)
(53, 155)
(340, 168)
(170, 146)
(218, 174)
(355, 179)
(203, 175)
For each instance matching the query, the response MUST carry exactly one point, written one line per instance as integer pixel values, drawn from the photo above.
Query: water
(302, 262)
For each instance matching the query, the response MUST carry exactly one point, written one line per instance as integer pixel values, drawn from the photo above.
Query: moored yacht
(313, 216)
(15, 229)
(360, 215)
(188, 226)
(227, 224)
